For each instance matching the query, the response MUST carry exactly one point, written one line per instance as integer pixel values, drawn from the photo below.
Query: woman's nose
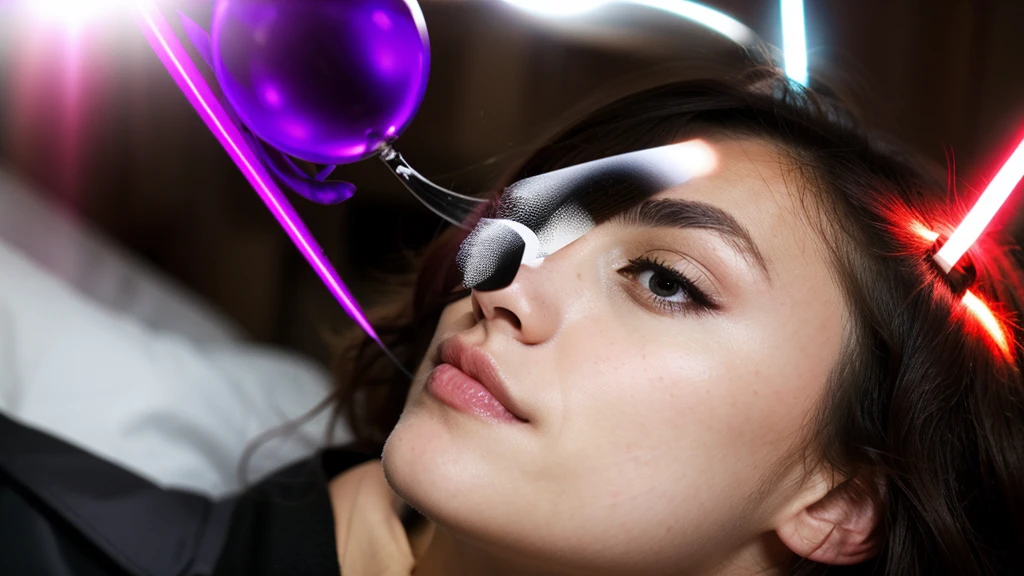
(529, 308)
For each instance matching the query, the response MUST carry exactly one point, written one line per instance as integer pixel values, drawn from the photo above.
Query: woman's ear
(834, 526)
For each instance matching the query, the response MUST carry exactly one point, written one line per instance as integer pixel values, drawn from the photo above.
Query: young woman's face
(654, 382)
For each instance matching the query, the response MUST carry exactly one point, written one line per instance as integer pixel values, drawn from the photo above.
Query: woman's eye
(662, 285)
(664, 288)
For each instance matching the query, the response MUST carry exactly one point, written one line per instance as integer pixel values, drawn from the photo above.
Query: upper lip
(479, 365)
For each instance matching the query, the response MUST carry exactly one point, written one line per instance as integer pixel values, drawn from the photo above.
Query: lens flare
(73, 14)
(981, 311)
(923, 231)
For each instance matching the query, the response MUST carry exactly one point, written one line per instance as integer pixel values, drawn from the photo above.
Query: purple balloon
(327, 81)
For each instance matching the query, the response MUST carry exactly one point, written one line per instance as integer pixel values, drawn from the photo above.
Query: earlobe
(838, 528)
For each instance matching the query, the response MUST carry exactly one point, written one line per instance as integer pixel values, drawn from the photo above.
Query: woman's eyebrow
(678, 213)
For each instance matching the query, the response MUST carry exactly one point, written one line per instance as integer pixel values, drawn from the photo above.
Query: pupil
(662, 286)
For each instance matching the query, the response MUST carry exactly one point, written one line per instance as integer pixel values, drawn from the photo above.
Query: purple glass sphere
(327, 81)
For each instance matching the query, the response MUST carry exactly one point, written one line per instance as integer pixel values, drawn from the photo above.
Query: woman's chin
(422, 461)
(445, 473)
(485, 488)
(453, 446)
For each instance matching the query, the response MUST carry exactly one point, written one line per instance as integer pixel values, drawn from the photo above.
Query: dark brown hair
(921, 401)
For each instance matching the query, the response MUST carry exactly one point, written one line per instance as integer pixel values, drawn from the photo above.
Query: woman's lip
(466, 394)
(481, 368)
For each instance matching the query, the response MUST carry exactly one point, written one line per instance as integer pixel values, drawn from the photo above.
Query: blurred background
(91, 123)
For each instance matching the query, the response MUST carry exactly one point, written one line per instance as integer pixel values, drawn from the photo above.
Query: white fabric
(57, 241)
(177, 410)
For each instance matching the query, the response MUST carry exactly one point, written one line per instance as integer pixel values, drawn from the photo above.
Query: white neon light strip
(794, 40)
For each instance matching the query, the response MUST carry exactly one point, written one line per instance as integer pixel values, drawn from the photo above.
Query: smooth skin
(661, 436)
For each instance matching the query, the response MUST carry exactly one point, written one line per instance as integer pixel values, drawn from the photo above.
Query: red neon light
(981, 311)
(984, 210)
(976, 306)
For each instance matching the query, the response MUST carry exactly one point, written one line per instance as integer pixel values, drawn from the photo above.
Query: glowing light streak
(794, 40)
(193, 85)
(557, 7)
(713, 19)
(981, 311)
(983, 211)
(708, 17)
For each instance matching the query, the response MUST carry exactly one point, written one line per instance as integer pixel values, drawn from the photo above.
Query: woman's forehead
(758, 187)
(746, 170)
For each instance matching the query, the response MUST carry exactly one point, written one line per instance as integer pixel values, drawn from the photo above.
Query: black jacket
(65, 512)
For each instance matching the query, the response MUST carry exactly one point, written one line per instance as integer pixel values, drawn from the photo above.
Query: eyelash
(696, 299)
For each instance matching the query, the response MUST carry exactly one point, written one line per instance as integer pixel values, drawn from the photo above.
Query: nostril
(509, 316)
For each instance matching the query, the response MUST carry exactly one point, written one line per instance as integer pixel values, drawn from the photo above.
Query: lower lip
(456, 389)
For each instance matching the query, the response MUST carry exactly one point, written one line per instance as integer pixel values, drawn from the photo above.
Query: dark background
(128, 153)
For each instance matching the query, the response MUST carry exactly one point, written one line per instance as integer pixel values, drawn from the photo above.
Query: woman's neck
(376, 532)
(447, 555)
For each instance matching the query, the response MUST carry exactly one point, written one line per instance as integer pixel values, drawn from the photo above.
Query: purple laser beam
(180, 66)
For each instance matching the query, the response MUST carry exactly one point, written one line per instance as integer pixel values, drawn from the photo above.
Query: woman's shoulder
(285, 524)
(65, 511)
